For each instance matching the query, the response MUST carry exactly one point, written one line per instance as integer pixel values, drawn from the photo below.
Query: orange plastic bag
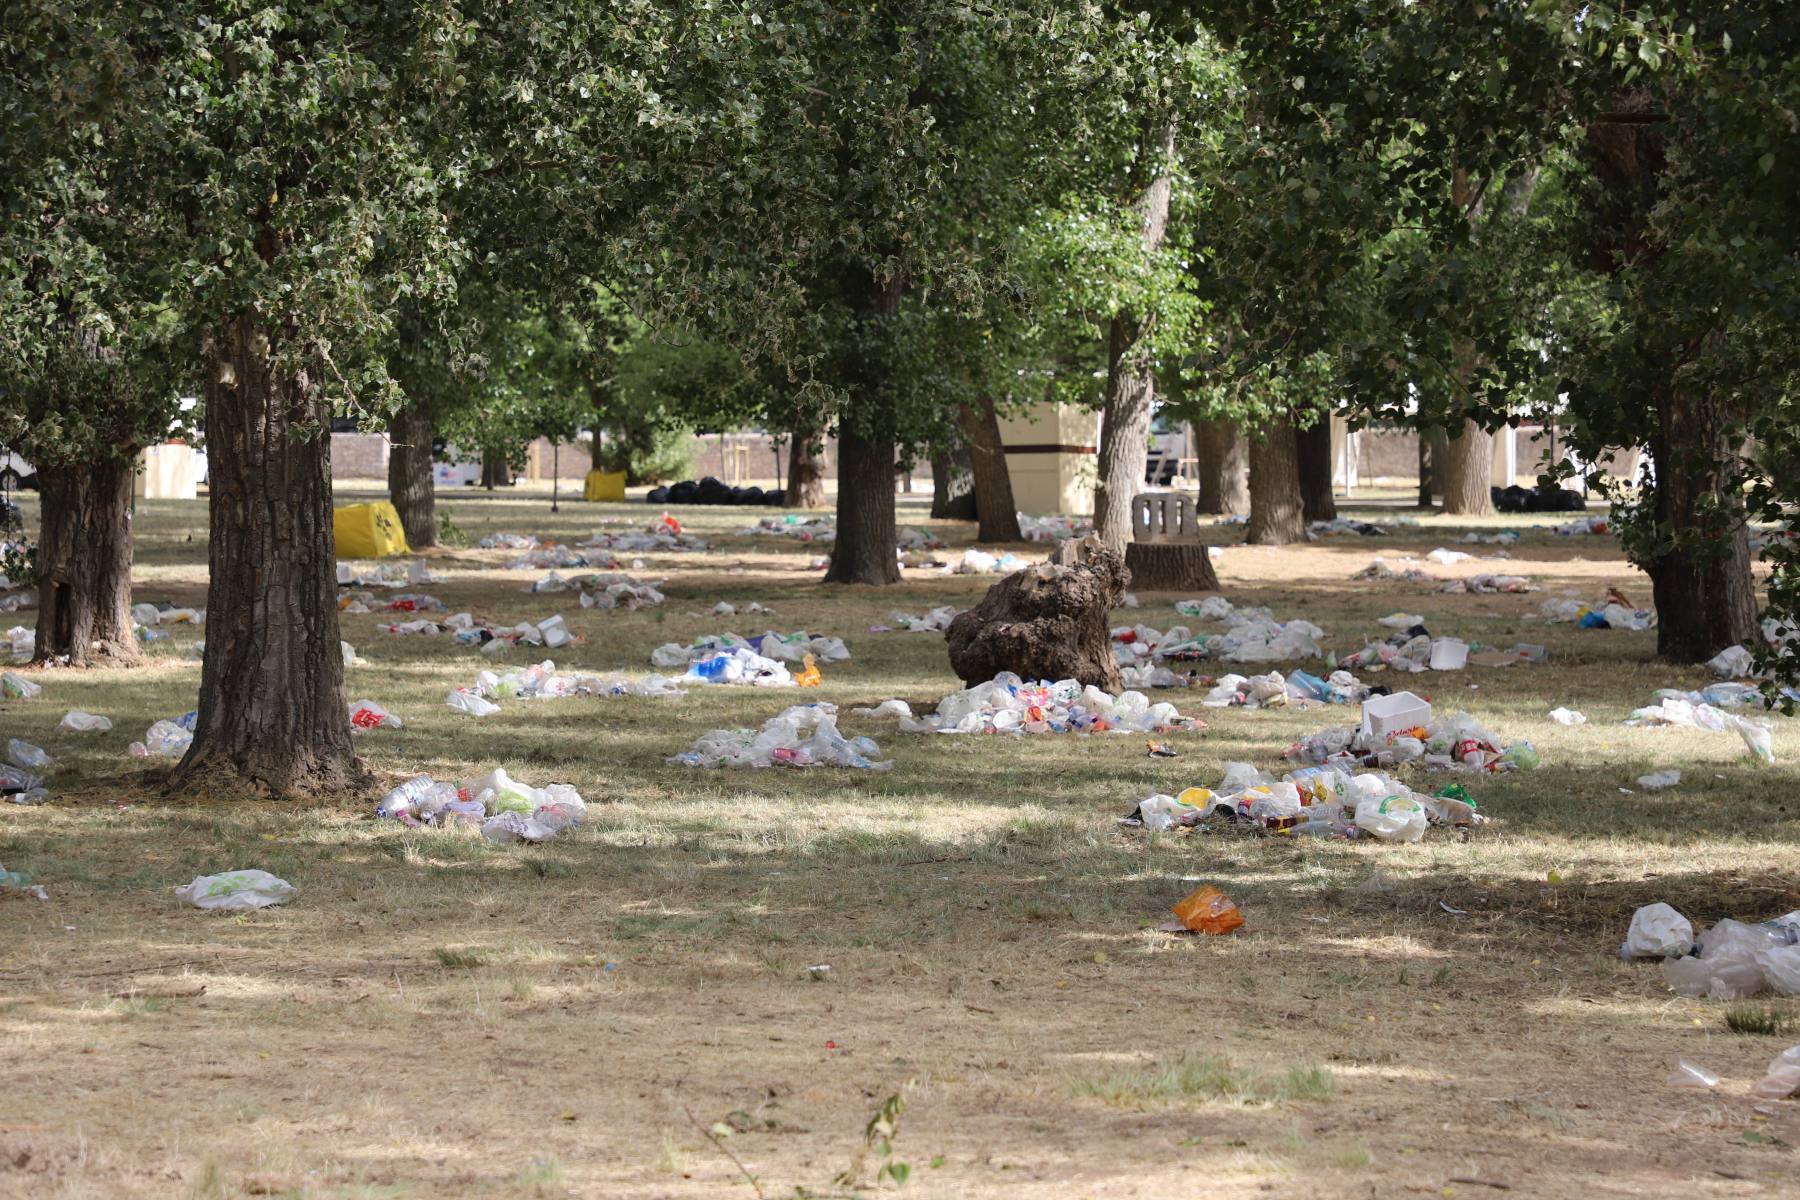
(1209, 910)
(809, 674)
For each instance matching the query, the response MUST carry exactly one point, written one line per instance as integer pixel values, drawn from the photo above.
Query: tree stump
(1048, 621)
(1171, 567)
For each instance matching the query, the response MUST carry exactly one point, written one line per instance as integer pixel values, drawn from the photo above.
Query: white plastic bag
(1393, 818)
(1659, 780)
(76, 721)
(1567, 716)
(24, 754)
(1783, 1079)
(366, 714)
(1657, 931)
(236, 891)
(465, 701)
(16, 687)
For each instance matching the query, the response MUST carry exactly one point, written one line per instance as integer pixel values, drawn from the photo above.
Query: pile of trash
(167, 739)
(663, 534)
(1583, 525)
(1731, 961)
(1380, 572)
(911, 537)
(1680, 709)
(505, 809)
(1399, 730)
(803, 529)
(1412, 648)
(803, 736)
(365, 602)
(1311, 802)
(611, 590)
(759, 661)
(1490, 584)
(1607, 614)
(935, 621)
(542, 681)
(980, 562)
(1007, 704)
(1295, 690)
(373, 575)
(508, 541)
(554, 556)
(149, 616)
(1506, 537)
(552, 631)
(1055, 527)
(1342, 525)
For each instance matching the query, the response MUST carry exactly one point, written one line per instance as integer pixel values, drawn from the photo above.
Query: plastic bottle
(406, 796)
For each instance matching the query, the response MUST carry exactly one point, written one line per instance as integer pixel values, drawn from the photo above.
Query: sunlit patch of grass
(1204, 1079)
(450, 958)
(1762, 1019)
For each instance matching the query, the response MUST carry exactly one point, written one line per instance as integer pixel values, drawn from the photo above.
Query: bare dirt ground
(632, 1010)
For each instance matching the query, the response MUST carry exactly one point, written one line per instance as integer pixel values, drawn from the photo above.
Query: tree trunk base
(216, 777)
(1048, 621)
(1171, 567)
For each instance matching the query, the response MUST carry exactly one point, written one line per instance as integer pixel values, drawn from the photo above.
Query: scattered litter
(1445, 557)
(1205, 910)
(354, 603)
(16, 687)
(1657, 931)
(1298, 689)
(1506, 537)
(1160, 750)
(1567, 716)
(542, 681)
(1490, 585)
(979, 562)
(465, 701)
(1400, 729)
(506, 809)
(76, 721)
(803, 736)
(804, 529)
(1758, 735)
(366, 715)
(1733, 662)
(1783, 1079)
(1380, 571)
(728, 658)
(1659, 781)
(1055, 527)
(1455, 912)
(1582, 525)
(1007, 704)
(24, 754)
(726, 608)
(21, 786)
(370, 575)
(1692, 1075)
(166, 739)
(936, 621)
(236, 891)
(1609, 615)
(19, 881)
(1342, 525)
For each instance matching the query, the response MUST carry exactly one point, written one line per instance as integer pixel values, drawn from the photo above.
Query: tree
(996, 511)
(1224, 467)
(1312, 452)
(1275, 512)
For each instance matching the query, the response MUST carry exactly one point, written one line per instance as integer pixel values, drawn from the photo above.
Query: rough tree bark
(995, 509)
(410, 484)
(866, 547)
(1171, 567)
(496, 471)
(1130, 382)
(1434, 458)
(1275, 518)
(1469, 479)
(1702, 584)
(1312, 449)
(952, 484)
(806, 472)
(272, 716)
(84, 565)
(1224, 458)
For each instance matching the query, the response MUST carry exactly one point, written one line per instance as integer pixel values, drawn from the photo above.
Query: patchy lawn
(638, 1009)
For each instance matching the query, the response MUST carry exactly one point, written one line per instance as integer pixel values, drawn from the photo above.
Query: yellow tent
(368, 531)
(604, 485)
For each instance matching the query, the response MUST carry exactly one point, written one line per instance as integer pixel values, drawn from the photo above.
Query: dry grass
(437, 1017)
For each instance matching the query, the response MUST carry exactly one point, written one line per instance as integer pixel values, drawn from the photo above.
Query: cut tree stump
(1171, 567)
(1048, 621)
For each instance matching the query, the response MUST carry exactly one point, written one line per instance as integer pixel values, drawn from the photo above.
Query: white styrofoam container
(1402, 710)
(1449, 654)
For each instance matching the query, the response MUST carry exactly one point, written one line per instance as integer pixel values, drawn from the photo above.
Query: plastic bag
(1567, 716)
(16, 687)
(366, 714)
(1783, 1079)
(1208, 910)
(164, 739)
(76, 721)
(1657, 931)
(26, 755)
(1394, 818)
(464, 701)
(236, 891)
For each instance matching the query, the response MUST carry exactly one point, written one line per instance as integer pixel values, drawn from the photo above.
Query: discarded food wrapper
(1161, 750)
(236, 891)
(366, 715)
(1205, 910)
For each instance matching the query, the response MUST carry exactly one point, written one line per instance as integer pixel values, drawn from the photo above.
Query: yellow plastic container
(604, 485)
(368, 531)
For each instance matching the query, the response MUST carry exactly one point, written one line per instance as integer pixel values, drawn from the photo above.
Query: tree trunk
(1312, 448)
(952, 483)
(1130, 382)
(1468, 482)
(1171, 567)
(806, 472)
(995, 509)
(84, 565)
(1224, 468)
(1700, 577)
(410, 483)
(866, 545)
(496, 470)
(272, 717)
(1434, 459)
(1275, 518)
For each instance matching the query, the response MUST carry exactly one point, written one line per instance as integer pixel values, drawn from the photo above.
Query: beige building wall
(1051, 453)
